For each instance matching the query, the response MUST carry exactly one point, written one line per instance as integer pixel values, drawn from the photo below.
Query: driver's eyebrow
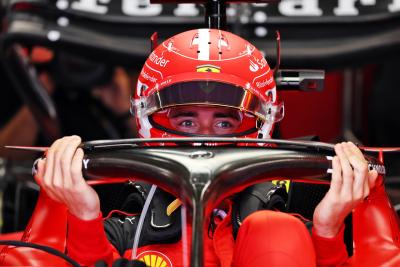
(184, 114)
(232, 115)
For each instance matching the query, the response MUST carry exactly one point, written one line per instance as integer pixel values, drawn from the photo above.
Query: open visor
(211, 93)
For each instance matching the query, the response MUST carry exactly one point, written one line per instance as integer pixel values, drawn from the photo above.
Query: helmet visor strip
(201, 120)
(211, 93)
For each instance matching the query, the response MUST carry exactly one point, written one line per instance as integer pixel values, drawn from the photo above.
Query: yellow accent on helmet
(208, 68)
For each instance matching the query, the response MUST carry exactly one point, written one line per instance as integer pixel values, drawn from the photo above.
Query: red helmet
(206, 67)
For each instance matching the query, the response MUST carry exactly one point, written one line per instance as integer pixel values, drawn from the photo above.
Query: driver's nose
(206, 126)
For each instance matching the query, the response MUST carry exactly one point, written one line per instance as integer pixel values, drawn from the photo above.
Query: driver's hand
(60, 175)
(351, 183)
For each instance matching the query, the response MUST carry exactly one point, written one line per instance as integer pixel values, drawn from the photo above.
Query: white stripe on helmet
(204, 47)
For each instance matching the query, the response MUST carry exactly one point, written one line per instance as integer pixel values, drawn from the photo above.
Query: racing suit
(265, 238)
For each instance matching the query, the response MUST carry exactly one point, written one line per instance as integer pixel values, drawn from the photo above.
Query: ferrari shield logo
(208, 68)
(154, 259)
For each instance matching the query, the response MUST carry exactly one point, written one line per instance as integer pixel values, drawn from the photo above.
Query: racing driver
(206, 82)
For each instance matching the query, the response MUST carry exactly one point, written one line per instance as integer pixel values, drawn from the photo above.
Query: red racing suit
(265, 238)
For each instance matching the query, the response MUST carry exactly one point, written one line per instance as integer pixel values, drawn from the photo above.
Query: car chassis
(202, 175)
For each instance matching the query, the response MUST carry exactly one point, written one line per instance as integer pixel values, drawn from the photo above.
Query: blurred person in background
(87, 95)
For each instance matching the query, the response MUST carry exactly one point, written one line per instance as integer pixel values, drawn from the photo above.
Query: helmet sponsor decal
(160, 61)
(257, 64)
(253, 66)
(208, 68)
(259, 76)
(154, 259)
(249, 49)
(170, 45)
(167, 81)
(265, 82)
(261, 62)
(148, 77)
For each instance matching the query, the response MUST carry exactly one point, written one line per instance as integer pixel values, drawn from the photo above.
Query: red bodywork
(318, 113)
(375, 233)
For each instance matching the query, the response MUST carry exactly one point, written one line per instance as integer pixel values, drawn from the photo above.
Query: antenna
(215, 16)
(153, 41)
(278, 52)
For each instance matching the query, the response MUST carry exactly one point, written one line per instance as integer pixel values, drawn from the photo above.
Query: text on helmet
(162, 62)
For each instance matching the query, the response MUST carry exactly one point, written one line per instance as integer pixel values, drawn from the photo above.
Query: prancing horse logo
(208, 68)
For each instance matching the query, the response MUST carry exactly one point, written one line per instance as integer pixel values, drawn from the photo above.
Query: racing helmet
(207, 68)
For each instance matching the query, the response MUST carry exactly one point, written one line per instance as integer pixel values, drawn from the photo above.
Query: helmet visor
(211, 93)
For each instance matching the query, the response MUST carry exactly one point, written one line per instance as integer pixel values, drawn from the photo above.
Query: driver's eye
(187, 123)
(224, 124)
